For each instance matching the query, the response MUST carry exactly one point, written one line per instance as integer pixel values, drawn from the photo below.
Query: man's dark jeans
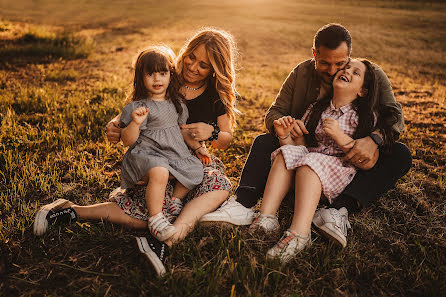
(366, 187)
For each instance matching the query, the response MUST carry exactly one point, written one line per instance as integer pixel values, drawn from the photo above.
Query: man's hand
(113, 130)
(199, 131)
(362, 152)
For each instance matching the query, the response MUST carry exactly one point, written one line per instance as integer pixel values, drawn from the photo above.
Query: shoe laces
(286, 238)
(341, 221)
(159, 224)
(173, 206)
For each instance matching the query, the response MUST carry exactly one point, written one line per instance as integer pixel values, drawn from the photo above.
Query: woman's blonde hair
(221, 50)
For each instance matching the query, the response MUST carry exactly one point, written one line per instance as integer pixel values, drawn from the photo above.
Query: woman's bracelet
(283, 138)
(198, 148)
(214, 135)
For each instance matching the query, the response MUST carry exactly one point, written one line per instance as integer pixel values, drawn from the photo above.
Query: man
(308, 82)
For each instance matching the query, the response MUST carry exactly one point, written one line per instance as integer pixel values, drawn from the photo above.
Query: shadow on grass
(40, 44)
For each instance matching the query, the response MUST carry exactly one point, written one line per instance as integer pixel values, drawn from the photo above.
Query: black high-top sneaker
(156, 251)
(58, 212)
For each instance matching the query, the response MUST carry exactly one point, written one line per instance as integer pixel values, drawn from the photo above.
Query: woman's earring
(213, 74)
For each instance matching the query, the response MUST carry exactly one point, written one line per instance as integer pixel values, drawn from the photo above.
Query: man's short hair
(331, 36)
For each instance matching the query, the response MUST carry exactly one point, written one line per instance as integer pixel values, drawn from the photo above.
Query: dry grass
(53, 109)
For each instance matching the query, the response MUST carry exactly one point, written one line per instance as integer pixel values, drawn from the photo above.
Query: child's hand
(140, 114)
(203, 154)
(331, 127)
(283, 126)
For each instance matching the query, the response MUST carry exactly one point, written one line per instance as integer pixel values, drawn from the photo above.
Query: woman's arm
(201, 132)
(225, 134)
(113, 130)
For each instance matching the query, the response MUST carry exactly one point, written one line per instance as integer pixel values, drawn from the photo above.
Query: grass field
(64, 73)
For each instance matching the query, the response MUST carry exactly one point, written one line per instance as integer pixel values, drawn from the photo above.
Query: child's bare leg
(156, 188)
(108, 211)
(307, 194)
(193, 211)
(277, 186)
(180, 191)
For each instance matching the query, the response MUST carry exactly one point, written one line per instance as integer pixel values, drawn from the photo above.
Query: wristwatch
(377, 139)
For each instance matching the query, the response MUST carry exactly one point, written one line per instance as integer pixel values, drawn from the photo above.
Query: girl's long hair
(367, 108)
(156, 59)
(221, 50)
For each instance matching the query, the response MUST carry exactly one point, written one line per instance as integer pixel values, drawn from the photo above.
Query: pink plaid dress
(326, 158)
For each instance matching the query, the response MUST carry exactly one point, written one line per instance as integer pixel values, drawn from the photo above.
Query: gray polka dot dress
(160, 144)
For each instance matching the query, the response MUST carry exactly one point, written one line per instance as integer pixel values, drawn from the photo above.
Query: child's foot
(333, 223)
(155, 251)
(160, 227)
(288, 246)
(172, 208)
(265, 223)
(58, 212)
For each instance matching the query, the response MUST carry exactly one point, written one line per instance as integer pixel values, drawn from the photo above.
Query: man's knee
(264, 142)
(403, 155)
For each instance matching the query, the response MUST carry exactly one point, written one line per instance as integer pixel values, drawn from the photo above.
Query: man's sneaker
(265, 223)
(58, 212)
(172, 208)
(333, 224)
(160, 227)
(231, 212)
(289, 245)
(155, 251)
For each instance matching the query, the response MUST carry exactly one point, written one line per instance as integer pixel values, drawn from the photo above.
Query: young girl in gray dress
(151, 128)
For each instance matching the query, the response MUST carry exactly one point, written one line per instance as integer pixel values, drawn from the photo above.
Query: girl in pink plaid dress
(314, 161)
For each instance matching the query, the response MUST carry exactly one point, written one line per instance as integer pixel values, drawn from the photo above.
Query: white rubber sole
(238, 221)
(40, 222)
(144, 248)
(328, 233)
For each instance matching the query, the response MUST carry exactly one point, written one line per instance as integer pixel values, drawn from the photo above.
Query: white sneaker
(265, 223)
(231, 212)
(289, 245)
(333, 224)
(172, 208)
(160, 227)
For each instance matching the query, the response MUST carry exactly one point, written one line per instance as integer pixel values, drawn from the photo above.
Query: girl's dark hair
(156, 59)
(367, 109)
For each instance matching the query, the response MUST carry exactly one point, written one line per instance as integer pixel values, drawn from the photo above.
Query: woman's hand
(113, 130)
(199, 131)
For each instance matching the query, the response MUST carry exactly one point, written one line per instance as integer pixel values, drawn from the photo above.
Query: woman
(206, 66)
